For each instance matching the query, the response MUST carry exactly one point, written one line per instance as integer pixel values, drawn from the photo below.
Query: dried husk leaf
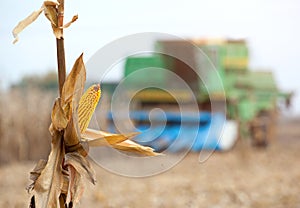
(81, 165)
(26, 22)
(39, 167)
(78, 166)
(74, 83)
(48, 185)
(96, 138)
(130, 146)
(72, 136)
(92, 133)
(58, 117)
(118, 141)
(65, 184)
(51, 3)
(76, 186)
(102, 138)
(50, 12)
(71, 94)
(74, 18)
(36, 172)
(57, 32)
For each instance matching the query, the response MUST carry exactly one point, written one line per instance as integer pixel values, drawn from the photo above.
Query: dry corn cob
(87, 106)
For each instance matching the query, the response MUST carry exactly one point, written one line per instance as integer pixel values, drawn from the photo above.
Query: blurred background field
(242, 177)
(24, 124)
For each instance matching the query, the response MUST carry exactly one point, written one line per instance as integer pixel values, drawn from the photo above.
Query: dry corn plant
(58, 182)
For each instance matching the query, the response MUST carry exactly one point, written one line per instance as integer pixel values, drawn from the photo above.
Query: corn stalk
(61, 61)
(61, 67)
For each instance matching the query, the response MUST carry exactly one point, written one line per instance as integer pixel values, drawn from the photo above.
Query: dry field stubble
(243, 177)
(24, 122)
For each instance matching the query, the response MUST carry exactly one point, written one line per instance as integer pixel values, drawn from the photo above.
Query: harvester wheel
(259, 130)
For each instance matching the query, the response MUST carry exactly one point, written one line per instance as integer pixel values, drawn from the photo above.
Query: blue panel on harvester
(175, 131)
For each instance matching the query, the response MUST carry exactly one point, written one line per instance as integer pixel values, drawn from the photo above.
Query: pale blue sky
(271, 28)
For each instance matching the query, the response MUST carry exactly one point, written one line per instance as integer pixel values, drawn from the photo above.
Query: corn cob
(87, 106)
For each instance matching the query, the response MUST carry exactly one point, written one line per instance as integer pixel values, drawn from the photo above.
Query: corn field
(24, 123)
(24, 133)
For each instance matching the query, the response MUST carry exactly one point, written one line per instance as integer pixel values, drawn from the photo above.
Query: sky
(271, 28)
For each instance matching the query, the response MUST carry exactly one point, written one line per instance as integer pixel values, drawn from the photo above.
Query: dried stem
(61, 61)
(61, 66)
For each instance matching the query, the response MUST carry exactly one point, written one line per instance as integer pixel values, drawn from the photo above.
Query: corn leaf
(71, 94)
(75, 188)
(96, 138)
(36, 172)
(51, 3)
(130, 146)
(50, 12)
(74, 18)
(118, 141)
(48, 185)
(78, 167)
(58, 32)
(81, 165)
(74, 83)
(72, 134)
(92, 133)
(26, 22)
(65, 183)
(58, 117)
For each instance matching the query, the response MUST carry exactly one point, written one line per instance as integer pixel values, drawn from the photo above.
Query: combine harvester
(251, 97)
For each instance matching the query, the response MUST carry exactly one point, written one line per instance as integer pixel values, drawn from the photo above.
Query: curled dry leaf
(74, 18)
(24, 23)
(58, 117)
(65, 183)
(130, 146)
(71, 94)
(48, 185)
(36, 172)
(74, 83)
(81, 165)
(78, 166)
(50, 11)
(51, 3)
(57, 32)
(75, 188)
(96, 138)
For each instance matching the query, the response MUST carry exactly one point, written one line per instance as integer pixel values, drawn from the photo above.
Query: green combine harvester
(251, 97)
